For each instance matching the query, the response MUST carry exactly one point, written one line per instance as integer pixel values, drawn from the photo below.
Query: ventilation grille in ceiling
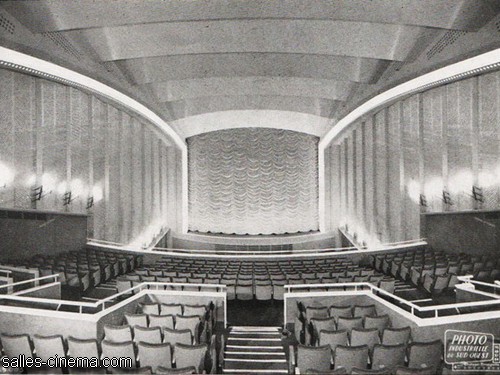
(446, 40)
(63, 43)
(7, 25)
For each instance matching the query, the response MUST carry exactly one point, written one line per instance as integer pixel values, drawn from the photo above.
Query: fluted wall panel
(67, 140)
(431, 152)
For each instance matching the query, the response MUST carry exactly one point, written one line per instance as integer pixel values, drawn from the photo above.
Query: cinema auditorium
(250, 186)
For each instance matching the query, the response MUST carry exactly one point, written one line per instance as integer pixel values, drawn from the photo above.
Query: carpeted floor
(255, 313)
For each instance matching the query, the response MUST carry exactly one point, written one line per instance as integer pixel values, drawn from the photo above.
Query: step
(254, 356)
(255, 347)
(255, 328)
(255, 371)
(243, 365)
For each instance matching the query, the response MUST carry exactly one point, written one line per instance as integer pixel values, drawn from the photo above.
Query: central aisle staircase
(254, 350)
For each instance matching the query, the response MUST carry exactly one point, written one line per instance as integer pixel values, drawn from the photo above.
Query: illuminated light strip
(475, 65)
(31, 65)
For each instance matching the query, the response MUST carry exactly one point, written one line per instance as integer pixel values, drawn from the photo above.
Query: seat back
(380, 322)
(16, 345)
(364, 311)
(150, 308)
(395, 336)
(316, 357)
(119, 350)
(316, 312)
(114, 333)
(198, 310)
(171, 309)
(351, 356)
(87, 348)
(369, 337)
(425, 354)
(173, 336)
(190, 322)
(191, 355)
(155, 355)
(333, 338)
(388, 357)
(176, 371)
(349, 323)
(340, 311)
(136, 319)
(161, 321)
(150, 335)
(320, 324)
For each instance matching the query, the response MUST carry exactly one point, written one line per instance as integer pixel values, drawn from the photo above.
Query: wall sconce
(37, 193)
(477, 194)
(447, 198)
(423, 200)
(68, 198)
(90, 203)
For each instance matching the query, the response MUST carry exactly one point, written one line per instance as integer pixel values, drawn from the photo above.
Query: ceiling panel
(207, 122)
(235, 86)
(56, 15)
(359, 39)
(178, 67)
(197, 106)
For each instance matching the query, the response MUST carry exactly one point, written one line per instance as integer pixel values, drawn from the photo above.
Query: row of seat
(356, 359)
(81, 269)
(440, 267)
(312, 320)
(157, 357)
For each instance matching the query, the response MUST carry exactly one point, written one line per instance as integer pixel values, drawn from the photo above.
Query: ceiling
(214, 64)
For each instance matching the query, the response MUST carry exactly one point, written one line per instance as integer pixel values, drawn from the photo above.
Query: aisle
(252, 349)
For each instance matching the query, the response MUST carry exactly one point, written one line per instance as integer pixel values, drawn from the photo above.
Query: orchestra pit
(250, 186)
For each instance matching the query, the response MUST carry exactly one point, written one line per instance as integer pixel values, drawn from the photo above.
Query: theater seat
(161, 321)
(333, 338)
(311, 357)
(395, 336)
(113, 333)
(174, 336)
(349, 357)
(191, 355)
(388, 357)
(176, 371)
(150, 335)
(425, 354)
(171, 309)
(122, 350)
(16, 345)
(155, 355)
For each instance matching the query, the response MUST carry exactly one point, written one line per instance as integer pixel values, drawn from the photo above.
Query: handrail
(413, 306)
(103, 301)
(355, 284)
(263, 253)
(54, 276)
(7, 272)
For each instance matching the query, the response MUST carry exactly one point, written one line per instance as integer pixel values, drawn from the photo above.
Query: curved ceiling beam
(358, 39)
(299, 122)
(198, 106)
(57, 15)
(177, 67)
(235, 86)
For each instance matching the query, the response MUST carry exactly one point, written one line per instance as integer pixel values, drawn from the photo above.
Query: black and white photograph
(250, 187)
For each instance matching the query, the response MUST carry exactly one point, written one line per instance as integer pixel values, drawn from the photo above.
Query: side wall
(24, 234)
(66, 140)
(444, 139)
